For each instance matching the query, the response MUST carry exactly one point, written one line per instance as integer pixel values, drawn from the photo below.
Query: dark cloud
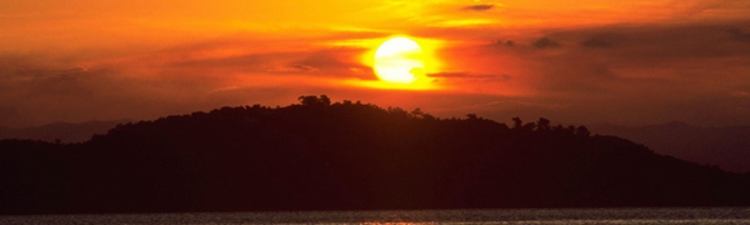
(249, 62)
(546, 43)
(506, 43)
(336, 62)
(648, 73)
(479, 7)
(7, 116)
(597, 42)
(472, 76)
(36, 90)
(739, 34)
(699, 56)
(40, 93)
(44, 93)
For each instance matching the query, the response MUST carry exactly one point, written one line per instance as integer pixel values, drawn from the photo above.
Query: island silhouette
(321, 155)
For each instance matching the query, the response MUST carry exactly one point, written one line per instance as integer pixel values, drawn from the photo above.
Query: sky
(630, 62)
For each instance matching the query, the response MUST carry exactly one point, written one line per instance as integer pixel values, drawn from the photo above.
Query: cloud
(634, 74)
(472, 76)
(597, 42)
(7, 116)
(479, 7)
(739, 34)
(37, 92)
(505, 43)
(33, 92)
(639, 74)
(44, 88)
(329, 62)
(546, 43)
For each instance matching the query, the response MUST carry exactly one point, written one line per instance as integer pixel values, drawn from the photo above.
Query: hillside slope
(318, 156)
(726, 147)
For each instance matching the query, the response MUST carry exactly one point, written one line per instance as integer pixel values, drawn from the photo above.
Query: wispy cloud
(479, 7)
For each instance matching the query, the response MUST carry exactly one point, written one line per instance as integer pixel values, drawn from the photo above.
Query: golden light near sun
(403, 62)
(399, 60)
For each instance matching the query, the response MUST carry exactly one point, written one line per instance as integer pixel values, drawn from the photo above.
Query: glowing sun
(399, 60)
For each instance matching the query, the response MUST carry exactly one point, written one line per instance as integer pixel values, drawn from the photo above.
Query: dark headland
(319, 155)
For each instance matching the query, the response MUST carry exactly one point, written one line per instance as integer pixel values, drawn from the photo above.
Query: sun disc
(399, 60)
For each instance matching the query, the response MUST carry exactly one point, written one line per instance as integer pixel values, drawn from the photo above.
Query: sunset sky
(630, 62)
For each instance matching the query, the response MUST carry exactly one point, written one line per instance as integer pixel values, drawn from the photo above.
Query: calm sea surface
(427, 217)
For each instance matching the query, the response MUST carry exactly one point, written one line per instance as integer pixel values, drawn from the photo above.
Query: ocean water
(420, 217)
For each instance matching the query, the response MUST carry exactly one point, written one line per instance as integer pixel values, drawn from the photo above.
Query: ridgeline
(319, 155)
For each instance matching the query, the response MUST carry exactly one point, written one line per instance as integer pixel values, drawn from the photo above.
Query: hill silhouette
(62, 132)
(727, 147)
(319, 155)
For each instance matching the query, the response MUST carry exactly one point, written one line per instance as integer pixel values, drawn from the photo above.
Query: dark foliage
(320, 155)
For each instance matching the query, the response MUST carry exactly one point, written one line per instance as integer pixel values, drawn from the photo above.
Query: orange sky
(629, 62)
